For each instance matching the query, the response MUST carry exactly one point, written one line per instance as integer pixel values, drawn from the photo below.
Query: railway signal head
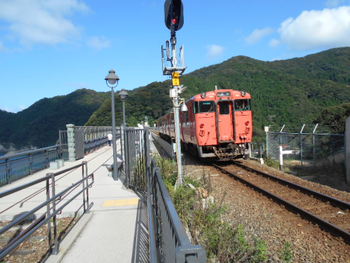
(174, 18)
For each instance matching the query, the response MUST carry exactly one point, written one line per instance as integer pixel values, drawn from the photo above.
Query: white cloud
(317, 29)
(22, 107)
(334, 3)
(2, 47)
(274, 42)
(41, 21)
(215, 50)
(99, 43)
(14, 109)
(258, 34)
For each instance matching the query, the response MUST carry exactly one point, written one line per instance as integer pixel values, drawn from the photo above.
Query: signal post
(177, 101)
(174, 20)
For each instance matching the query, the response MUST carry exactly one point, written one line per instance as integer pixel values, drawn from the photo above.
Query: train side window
(224, 108)
(206, 106)
(195, 108)
(242, 105)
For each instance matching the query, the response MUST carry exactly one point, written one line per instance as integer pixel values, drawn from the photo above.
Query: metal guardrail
(52, 209)
(168, 239)
(135, 149)
(16, 166)
(92, 145)
(94, 137)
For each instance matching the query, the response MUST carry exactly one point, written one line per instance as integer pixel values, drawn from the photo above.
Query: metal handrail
(184, 252)
(176, 223)
(39, 180)
(52, 211)
(29, 152)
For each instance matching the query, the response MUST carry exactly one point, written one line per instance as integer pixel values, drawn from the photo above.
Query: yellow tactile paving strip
(121, 202)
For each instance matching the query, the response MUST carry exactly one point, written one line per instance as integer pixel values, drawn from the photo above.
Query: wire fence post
(266, 128)
(314, 143)
(301, 144)
(347, 150)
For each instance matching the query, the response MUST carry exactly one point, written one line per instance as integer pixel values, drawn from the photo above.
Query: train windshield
(242, 105)
(204, 106)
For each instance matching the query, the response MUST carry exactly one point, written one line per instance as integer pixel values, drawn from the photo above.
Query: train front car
(219, 124)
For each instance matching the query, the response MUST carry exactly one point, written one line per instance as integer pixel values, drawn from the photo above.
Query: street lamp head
(123, 94)
(112, 79)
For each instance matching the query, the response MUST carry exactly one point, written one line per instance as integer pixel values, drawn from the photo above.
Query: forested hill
(39, 124)
(291, 92)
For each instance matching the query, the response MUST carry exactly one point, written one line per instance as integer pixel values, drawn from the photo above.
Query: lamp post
(123, 96)
(112, 82)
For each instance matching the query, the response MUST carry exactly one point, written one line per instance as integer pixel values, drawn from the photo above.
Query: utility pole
(173, 10)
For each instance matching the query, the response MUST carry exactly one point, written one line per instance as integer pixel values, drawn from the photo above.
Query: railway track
(329, 213)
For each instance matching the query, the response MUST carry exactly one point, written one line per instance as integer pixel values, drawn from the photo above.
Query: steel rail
(335, 201)
(325, 225)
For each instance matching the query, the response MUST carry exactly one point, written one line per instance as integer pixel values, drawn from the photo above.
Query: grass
(287, 253)
(222, 241)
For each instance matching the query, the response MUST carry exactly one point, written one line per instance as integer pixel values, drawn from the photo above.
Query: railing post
(71, 142)
(87, 186)
(55, 247)
(83, 170)
(47, 158)
(121, 140)
(126, 156)
(7, 168)
(48, 213)
(30, 160)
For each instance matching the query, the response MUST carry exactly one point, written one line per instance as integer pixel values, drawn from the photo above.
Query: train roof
(227, 94)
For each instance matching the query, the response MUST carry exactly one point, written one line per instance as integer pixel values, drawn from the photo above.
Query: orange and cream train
(217, 124)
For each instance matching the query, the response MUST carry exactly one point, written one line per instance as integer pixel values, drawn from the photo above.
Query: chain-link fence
(308, 151)
(308, 148)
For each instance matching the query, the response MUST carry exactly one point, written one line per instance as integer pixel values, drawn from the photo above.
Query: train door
(243, 121)
(225, 121)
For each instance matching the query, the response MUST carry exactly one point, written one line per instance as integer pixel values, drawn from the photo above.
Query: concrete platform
(107, 233)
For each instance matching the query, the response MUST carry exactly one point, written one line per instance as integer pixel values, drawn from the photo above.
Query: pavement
(109, 232)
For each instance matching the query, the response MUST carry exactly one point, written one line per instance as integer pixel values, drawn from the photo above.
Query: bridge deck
(109, 230)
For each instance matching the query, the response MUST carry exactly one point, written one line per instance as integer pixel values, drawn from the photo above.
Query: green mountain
(290, 92)
(38, 125)
(335, 117)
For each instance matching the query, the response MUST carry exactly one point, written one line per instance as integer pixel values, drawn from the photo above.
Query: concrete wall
(71, 142)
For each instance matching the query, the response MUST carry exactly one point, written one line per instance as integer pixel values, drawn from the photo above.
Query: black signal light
(174, 18)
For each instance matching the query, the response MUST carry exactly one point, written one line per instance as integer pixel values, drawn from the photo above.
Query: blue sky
(53, 47)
